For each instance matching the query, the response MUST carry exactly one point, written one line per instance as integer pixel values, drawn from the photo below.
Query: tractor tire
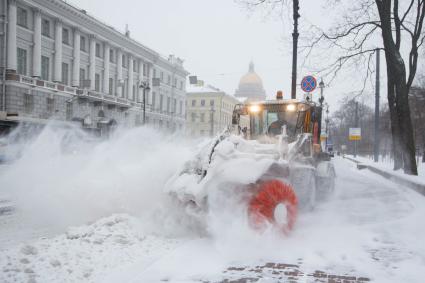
(271, 196)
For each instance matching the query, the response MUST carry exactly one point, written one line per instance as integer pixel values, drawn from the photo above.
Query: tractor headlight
(291, 107)
(254, 108)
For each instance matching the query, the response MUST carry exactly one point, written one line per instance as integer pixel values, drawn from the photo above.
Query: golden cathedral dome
(251, 77)
(251, 85)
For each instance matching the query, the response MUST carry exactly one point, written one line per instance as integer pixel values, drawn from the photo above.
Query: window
(144, 69)
(181, 107)
(82, 77)
(97, 82)
(135, 64)
(125, 89)
(82, 43)
(203, 102)
(28, 103)
(69, 111)
(161, 100)
(45, 68)
(111, 86)
(168, 79)
(45, 27)
(111, 55)
(193, 103)
(65, 73)
(123, 61)
(154, 73)
(181, 85)
(211, 102)
(162, 76)
(175, 82)
(153, 99)
(134, 93)
(50, 102)
(168, 104)
(65, 36)
(22, 61)
(202, 117)
(22, 19)
(193, 117)
(97, 50)
(174, 105)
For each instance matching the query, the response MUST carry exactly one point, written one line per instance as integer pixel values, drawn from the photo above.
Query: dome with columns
(251, 85)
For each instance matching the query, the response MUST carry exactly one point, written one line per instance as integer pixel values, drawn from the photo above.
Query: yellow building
(209, 110)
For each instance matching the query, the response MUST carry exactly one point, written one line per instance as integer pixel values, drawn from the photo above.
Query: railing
(84, 93)
(34, 82)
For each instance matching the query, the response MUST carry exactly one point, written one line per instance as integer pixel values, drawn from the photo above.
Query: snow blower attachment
(270, 158)
(275, 203)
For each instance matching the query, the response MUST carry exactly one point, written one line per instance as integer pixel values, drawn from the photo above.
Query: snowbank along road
(369, 231)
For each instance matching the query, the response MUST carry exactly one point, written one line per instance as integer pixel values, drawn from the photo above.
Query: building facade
(251, 86)
(60, 63)
(209, 110)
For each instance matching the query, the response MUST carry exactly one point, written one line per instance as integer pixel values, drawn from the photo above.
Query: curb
(420, 188)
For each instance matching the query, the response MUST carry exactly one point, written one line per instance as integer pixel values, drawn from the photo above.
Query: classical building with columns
(58, 62)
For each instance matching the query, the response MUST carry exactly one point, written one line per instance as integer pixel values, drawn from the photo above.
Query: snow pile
(84, 253)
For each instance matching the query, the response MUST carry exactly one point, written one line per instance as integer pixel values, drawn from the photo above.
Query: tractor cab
(276, 117)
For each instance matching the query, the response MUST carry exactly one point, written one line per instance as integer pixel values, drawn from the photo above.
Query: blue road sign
(308, 83)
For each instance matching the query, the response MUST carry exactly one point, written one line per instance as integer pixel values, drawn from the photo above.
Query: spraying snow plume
(63, 176)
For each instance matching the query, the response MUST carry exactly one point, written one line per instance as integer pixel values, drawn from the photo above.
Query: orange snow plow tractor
(270, 155)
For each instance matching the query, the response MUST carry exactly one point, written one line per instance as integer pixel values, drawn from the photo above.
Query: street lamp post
(145, 87)
(212, 121)
(326, 129)
(321, 99)
(321, 86)
(295, 34)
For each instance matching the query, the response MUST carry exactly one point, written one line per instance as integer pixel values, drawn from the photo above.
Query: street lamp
(321, 86)
(145, 87)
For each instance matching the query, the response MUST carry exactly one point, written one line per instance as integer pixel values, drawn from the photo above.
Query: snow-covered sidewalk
(385, 169)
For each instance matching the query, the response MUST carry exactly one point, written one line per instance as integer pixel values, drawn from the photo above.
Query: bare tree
(354, 38)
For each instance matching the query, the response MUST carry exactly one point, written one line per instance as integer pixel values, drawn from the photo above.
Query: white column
(130, 77)
(76, 62)
(106, 67)
(119, 73)
(139, 90)
(36, 58)
(92, 62)
(11, 37)
(58, 51)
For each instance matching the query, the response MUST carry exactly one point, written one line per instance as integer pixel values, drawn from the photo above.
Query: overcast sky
(218, 38)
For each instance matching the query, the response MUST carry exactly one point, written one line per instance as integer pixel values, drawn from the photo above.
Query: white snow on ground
(369, 229)
(387, 164)
(124, 230)
(84, 253)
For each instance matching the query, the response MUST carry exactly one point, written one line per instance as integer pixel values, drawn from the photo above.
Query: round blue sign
(308, 83)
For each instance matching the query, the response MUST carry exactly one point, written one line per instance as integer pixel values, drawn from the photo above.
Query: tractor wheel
(275, 202)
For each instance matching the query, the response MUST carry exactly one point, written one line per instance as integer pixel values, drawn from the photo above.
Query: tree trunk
(406, 129)
(401, 123)
(395, 129)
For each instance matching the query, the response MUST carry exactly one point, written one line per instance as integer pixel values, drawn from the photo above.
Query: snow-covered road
(370, 230)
